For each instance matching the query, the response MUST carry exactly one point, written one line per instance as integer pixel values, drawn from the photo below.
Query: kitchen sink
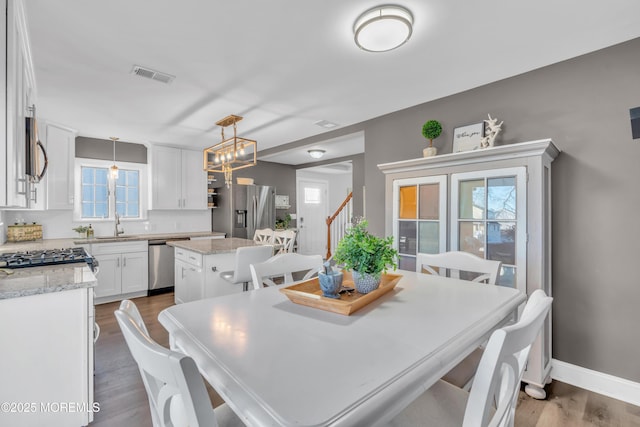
(121, 237)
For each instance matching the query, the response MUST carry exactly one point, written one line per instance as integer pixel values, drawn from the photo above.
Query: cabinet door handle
(117, 262)
(179, 203)
(214, 268)
(182, 272)
(124, 261)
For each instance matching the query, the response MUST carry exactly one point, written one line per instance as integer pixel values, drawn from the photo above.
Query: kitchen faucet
(117, 231)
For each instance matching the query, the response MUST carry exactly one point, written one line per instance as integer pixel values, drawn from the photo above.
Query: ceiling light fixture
(113, 170)
(315, 153)
(326, 124)
(230, 154)
(383, 28)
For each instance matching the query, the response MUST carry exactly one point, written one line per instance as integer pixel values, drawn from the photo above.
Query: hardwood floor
(123, 400)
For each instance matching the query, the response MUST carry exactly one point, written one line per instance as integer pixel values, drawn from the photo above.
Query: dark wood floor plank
(123, 399)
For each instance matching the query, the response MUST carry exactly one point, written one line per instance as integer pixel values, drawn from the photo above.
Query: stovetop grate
(45, 257)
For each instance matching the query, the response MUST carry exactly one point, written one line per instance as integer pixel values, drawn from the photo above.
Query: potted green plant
(366, 255)
(283, 224)
(431, 130)
(81, 230)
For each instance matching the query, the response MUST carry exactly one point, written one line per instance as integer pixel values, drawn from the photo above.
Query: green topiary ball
(431, 129)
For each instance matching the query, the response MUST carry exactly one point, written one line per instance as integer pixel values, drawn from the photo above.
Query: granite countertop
(138, 237)
(38, 245)
(41, 280)
(213, 246)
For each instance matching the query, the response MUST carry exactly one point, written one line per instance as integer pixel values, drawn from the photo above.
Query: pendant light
(113, 170)
(231, 153)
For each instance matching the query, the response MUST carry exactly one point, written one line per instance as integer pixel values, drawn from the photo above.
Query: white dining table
(277, 363)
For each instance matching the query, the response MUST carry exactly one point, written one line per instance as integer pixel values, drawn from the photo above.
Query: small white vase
(429, 152)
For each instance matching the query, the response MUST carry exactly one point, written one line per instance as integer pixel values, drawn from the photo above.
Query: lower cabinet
(46, 362)
(197, 276)
(123, 270)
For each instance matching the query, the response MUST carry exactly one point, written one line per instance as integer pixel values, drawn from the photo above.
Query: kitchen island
(47, 340)
(198, 264)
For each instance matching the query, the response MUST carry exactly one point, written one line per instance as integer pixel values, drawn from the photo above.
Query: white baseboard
(597, 382)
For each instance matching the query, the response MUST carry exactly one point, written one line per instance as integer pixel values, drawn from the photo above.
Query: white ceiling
(286, 64)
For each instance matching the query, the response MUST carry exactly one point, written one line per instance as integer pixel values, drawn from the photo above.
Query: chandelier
(231, 154)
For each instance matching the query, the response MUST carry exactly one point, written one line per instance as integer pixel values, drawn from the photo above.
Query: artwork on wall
(635, 122)
(468, 138)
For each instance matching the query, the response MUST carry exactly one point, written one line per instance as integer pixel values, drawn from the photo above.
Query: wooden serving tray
(309, 293)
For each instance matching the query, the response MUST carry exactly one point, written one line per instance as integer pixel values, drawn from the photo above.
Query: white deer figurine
(492, 129)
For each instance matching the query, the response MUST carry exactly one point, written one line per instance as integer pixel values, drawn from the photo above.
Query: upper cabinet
(57, 191)
(178, 180)
(19, 95)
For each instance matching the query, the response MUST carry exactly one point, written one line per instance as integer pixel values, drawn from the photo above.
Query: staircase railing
(337, 224)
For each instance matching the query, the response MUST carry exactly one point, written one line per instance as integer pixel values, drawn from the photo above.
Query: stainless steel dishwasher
(161, 266)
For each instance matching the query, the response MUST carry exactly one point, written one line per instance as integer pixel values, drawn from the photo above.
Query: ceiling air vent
(152, 74)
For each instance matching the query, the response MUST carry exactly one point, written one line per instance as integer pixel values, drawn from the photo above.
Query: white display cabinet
(494, 203)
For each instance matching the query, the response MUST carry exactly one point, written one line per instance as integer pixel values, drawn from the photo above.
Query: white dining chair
(457, 262)
(176, 391)
(494, 395)
(284, 265)
(283, 241)
(246, 256)
(263, 236)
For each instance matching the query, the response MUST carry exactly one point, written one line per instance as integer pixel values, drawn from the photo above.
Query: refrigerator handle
(255, 212)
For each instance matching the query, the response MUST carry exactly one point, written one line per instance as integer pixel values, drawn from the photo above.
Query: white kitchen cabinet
(197, 276)
(60, 144)
(55, 190)
(495, 203)
(19, 93)
(123, 270)
(178, 180)
(47, 359)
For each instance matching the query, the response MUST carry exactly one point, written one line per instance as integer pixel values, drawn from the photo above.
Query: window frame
(142, 169)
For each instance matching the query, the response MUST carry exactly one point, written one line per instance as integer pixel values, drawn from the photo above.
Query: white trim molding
(597, 382)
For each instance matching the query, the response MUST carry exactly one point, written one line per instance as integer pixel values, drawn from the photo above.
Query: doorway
(312, 196)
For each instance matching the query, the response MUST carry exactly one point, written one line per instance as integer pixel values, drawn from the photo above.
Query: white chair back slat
(284, 265)
(494, 393)
(456, 262)
(263, 236)
(176, 391)
(283, 241)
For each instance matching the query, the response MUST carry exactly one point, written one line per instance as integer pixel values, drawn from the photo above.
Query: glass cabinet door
(419, 218)
(488, 214)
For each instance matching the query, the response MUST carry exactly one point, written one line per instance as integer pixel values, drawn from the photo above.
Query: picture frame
(468, 138)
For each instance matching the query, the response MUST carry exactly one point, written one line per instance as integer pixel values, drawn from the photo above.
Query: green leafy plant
(80, 229)
(431, 130)
(283, 223)
(363, 252)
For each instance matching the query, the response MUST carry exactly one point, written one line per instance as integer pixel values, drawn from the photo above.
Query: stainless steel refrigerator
(242, 209)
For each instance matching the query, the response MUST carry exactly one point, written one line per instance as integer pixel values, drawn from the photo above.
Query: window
(100, 198)
(312, 195)
(95, 192)
(128, 194)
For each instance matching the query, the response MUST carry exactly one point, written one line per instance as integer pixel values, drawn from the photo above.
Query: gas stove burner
(45, 257)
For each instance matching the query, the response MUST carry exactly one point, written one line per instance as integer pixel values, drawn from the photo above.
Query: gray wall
(102, 149)
(583, 105)
(283, 177)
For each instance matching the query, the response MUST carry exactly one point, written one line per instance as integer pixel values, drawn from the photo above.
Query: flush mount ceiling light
(383, 28)
(231, 154)
(315, 153)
